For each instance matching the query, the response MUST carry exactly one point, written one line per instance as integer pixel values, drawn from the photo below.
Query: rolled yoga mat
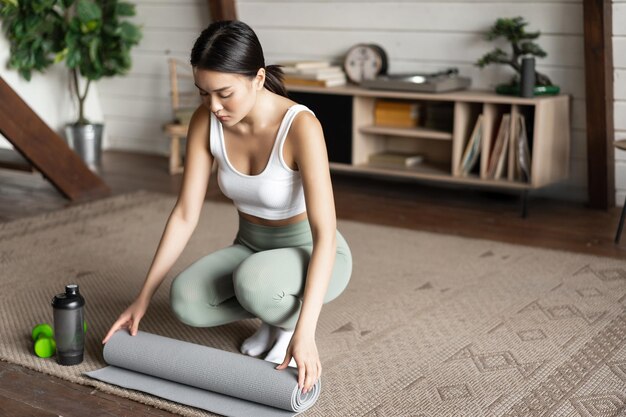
(222, 382)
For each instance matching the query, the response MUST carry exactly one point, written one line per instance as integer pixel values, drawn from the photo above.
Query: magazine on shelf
(513, 154)
(502, 158)
(396, 158)
(523, 152)
(472, 150)
(499, 147)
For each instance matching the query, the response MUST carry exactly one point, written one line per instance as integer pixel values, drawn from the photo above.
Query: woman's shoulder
(283, 104)
(201, 119)
(303, 126)
(301, 114)
(200, 125)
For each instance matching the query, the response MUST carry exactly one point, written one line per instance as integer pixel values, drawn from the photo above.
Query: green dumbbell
(43, 329)
(45, 345)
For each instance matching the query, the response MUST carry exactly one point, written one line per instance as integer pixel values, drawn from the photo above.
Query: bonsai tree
(521, 44)
(92, 38)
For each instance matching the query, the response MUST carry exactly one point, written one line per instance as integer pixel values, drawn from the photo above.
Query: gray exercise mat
(222, 382)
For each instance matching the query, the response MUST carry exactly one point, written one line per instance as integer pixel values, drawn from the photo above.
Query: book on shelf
(396, 158)
(313, 73)
(472, 150)
(382, 118)
(332, 82)
(495, 165)
(396, 114)
(304, 64)
(401, 123)
(395, 104)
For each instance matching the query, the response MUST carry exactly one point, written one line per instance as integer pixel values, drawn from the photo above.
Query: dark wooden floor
(441, 209)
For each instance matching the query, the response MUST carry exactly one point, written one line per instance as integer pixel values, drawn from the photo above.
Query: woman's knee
(264, 279)
(247, 283)
(181, 297)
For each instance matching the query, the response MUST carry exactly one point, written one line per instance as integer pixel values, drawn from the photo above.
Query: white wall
(619, 63)
(48, 95)
(418, 35)
(137, 105)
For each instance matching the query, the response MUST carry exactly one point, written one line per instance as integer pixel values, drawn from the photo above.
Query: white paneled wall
(619, 62)
(137, 105)
(418, 35)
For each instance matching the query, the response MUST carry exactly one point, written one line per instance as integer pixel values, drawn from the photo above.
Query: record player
(438, 82)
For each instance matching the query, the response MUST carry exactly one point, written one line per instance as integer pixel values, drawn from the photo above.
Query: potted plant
(512, 29)
(93, 38)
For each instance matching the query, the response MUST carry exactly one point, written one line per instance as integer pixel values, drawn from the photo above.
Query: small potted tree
(512, 29)
(93, 38)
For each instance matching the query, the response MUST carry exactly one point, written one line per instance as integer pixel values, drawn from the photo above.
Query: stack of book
(313, 73)
(396, 113)
(395, 159)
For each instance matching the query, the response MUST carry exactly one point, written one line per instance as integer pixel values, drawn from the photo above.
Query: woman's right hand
(130, 318)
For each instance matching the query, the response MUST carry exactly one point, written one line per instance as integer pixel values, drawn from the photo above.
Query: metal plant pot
(86, 140)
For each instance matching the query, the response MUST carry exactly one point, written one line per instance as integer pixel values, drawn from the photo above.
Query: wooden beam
(223, 10)
(599, 103)
(46, 150)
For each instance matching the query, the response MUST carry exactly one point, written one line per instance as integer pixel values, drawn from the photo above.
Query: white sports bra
(274, 194)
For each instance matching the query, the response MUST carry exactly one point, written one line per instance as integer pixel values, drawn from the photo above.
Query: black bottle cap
(69, 300)
(71, 289)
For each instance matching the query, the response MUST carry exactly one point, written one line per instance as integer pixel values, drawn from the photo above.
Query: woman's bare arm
(181, 222)
(185, 214)
(312, 158)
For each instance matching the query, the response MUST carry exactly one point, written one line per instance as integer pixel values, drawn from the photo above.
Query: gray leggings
(262, 274)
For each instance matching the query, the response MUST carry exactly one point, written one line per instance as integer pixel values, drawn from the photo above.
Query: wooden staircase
(44, 150)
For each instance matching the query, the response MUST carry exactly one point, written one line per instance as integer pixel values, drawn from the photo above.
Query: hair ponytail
(232, 46)
(274, 76)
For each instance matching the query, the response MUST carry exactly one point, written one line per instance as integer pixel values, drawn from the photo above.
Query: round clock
(365, 61)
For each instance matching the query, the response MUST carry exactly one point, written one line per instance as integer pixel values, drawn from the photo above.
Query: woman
(287, 258)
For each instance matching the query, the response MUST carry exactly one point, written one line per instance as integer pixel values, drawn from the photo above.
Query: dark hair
(232, 46)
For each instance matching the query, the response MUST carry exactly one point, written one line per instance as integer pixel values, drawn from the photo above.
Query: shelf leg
(618, 235)
(524, 203)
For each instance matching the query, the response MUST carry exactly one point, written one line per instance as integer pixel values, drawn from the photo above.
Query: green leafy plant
(512, 29)
(92, 37)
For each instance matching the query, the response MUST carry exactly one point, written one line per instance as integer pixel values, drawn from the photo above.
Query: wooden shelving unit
(547, 122)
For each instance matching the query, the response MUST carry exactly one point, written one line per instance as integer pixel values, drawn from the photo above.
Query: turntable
(438, 82)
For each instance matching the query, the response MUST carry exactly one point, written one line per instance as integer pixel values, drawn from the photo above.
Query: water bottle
(69, 317)
(527, 83)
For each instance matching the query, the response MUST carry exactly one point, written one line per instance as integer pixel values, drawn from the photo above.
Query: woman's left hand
(304, 351)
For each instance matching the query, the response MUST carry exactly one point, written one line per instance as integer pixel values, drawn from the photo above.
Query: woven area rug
(430, 325)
